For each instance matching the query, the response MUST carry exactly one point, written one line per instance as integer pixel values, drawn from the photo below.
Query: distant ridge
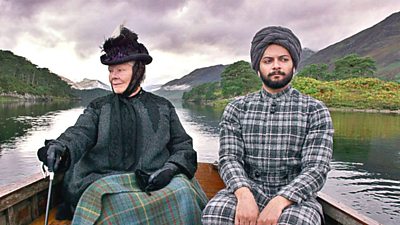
(19, 78)
(86, 84)
(195, 78)
(380, 42)
(207, 75)
(306, 53)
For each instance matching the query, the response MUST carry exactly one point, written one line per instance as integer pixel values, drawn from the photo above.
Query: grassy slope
(355, 93)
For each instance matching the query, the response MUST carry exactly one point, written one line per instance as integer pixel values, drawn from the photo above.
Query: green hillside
(19, 76)
(355, 91)
(379, 42)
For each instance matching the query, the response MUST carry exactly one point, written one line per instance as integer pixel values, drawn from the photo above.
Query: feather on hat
(123, 46)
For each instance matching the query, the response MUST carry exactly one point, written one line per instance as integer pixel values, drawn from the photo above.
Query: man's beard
(266, 79)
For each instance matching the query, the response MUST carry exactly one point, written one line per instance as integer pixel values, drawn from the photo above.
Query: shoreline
(333, 109)
(384, 111)
(15, 97)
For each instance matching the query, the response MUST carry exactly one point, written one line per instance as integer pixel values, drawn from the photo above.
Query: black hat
(124, 48)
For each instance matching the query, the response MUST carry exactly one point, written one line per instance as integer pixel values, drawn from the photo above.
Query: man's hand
(271, 213)
(246, 209)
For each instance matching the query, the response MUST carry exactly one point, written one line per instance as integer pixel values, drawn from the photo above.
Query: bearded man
(275, 144)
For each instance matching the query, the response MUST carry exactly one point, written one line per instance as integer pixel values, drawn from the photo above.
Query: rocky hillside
(87, 90)
(380, 42)
(208, 75)
(174, 89)
(19, 78)
(306, 53)
(86, 84)
(195, 78)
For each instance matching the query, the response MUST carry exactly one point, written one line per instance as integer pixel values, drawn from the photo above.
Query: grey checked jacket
(281, 142)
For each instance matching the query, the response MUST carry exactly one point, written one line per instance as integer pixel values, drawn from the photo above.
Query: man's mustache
(276, 72)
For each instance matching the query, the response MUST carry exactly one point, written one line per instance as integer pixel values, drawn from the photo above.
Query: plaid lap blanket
(117, 199)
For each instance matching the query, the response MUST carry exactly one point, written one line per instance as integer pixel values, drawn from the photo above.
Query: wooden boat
(25, 202)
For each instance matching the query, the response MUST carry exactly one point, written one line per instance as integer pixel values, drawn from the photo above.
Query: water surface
(365, 167)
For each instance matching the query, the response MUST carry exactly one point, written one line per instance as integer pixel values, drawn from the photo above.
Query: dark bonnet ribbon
(122, 149)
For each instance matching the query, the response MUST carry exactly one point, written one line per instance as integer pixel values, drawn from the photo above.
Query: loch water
(365, 168)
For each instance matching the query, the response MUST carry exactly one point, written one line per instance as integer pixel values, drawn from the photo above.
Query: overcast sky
(65, 36)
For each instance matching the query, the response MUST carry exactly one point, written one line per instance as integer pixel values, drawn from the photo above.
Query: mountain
(19, 77)
(86, 84)
(306, 53)
(207, 75)
(91, 84)
(196, 78)
(174, 89)
(85, 96)
(380, 42)
(152, 87)
(87, 90)
(69, 82)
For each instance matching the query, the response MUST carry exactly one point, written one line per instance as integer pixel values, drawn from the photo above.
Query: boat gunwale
(341, 212)
(14, 193)
(17, 192)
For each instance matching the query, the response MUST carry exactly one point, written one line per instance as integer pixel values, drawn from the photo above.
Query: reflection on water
(201, 123)
(365, 165)
(24, 129)
(367, 191)
(366, 160)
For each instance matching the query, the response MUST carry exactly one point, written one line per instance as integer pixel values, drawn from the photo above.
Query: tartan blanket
(117, 199)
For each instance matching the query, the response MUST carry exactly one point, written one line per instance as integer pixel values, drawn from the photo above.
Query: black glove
(51, 155)
(142, 179)
(162, 177)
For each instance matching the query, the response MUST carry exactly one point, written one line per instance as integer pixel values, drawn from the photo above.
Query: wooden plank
(20, 213)
(343, 213)
(3, 219)
(208, 177)
(210, 181)
(15, 193)
(11, 188)
(35, 206)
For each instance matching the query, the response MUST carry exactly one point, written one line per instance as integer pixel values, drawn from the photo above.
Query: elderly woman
(127, 160)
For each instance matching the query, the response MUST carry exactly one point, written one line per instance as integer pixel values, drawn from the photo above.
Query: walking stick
(49, 198)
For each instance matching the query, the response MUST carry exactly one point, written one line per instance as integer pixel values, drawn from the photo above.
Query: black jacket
(160, 138)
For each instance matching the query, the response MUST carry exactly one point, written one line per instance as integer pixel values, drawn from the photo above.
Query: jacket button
(256, 173)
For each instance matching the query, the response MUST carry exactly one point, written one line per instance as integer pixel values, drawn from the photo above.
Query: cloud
(181, 35)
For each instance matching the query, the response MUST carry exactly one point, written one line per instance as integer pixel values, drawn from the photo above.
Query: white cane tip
(51, 175)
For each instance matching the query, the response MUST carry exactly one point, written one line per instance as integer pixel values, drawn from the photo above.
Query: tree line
(350, 66)
(350, 83)
(19, 76)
